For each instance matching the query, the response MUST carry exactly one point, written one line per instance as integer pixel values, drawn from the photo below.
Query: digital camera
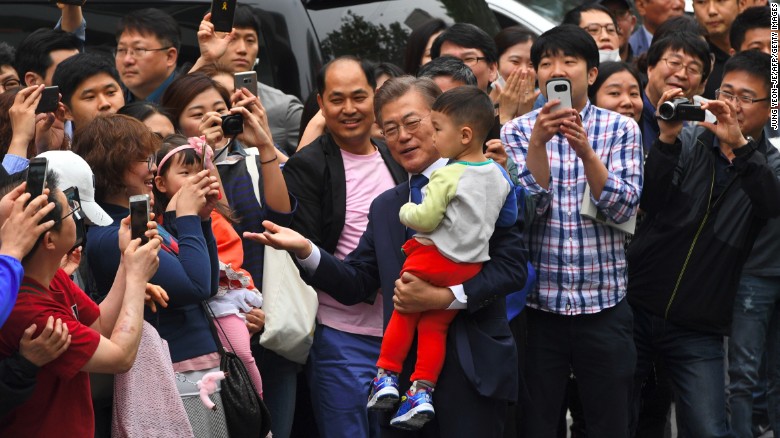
(680, 108)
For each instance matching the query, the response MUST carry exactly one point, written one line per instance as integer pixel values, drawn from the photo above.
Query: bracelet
(269, 161)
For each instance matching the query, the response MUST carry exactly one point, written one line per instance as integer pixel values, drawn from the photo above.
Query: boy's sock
(381, 372)
(421, 384)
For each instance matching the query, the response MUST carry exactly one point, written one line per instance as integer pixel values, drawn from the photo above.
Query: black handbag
(245, 412)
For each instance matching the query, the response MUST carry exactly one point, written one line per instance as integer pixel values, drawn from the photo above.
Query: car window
(287, 60)
(378, 30)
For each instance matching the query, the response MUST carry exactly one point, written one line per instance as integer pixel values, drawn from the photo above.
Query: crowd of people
(503, 230)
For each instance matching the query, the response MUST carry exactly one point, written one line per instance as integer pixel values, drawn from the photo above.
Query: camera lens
(561, 87)
(666, 110)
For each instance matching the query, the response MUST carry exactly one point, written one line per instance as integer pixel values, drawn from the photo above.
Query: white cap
(73, 171)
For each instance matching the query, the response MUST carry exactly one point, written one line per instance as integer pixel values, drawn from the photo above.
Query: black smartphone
(36, 176)
(139, 216)
(50, 99)
(222, 12)
(246, 79)
(74, 203)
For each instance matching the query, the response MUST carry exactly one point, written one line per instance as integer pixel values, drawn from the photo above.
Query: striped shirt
(581, 264)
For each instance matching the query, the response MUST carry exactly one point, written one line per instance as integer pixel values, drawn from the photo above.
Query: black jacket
(17, 382)
(703, 216)
(315, 176)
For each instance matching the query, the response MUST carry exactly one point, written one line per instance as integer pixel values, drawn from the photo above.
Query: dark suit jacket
(315, 176)
(480, 335)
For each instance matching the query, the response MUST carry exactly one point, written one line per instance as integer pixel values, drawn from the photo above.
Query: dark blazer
(315, 176)
(480, 335)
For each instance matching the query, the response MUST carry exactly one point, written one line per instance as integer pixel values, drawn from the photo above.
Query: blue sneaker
(384, 393)
(415, 410)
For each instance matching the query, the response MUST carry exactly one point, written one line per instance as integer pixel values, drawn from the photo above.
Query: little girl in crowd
(179, 158)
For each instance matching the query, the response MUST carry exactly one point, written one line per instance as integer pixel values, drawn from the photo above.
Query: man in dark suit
(480, 375)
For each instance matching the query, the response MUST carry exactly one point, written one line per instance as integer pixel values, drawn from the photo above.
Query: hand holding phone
(559, 88)
(246, 79)
(139, 216)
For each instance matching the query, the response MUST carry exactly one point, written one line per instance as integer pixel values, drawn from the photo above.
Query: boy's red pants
(427, 263)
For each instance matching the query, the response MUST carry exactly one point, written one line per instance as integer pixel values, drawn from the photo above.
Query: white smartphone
(559, 88)
(246, 79)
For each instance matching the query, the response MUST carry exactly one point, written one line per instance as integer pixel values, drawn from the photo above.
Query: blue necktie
(416, 183)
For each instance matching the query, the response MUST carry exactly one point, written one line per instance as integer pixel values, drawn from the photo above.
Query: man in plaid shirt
(577, 319)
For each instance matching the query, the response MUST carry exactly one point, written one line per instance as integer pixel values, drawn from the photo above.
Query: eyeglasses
(136, 53)
(471, 61)
(595, 29)
(676, 65)
(392, 132)
(10, 83)
(150, 161)
(739, 100)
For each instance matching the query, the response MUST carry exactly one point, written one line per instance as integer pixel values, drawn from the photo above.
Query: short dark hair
(418, 39)
(7, 54)
(33, 54)
(679, 24)
(142, 110)
(151, 21)
(246, 19)
(690, 43)
(394, 88)
(512, 36)
(607, 69)
(757, 17)
(566, 39)
(574, 16)
(387, 68)
(752, 62)
(469, 36)
(448, 66)
(52, 182)
(368, 70)
(72, 72)
(468, 106)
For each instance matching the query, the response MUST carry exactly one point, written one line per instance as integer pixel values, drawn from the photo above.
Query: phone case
(222, 12)
(246, 79)
(559, 88)
(50, 98)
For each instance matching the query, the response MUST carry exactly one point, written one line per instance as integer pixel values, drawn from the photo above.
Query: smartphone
(222, 12)
(246, 79)
(50, 99)
(559, 88)
(139, 216)
(74, 203)
(36, 176)
(203, 165)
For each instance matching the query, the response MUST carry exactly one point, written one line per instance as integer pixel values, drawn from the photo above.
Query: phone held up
(36, 176)
(139, 216)
(246, 79)
(222, 12)
(50, 99)
(559, 88)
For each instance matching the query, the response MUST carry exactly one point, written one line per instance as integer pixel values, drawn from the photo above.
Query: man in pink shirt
(334, 179)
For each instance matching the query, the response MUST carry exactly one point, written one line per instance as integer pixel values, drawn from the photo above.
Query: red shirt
(61, 404)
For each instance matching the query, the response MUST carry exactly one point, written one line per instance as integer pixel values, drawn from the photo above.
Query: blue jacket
(189, 279)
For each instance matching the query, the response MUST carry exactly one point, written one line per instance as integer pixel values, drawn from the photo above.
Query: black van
(297, 35)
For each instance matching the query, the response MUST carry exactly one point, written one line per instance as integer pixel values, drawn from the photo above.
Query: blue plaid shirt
(580, 264)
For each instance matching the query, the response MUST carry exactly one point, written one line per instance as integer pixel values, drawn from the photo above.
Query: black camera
(680, 108)
(232, 124)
